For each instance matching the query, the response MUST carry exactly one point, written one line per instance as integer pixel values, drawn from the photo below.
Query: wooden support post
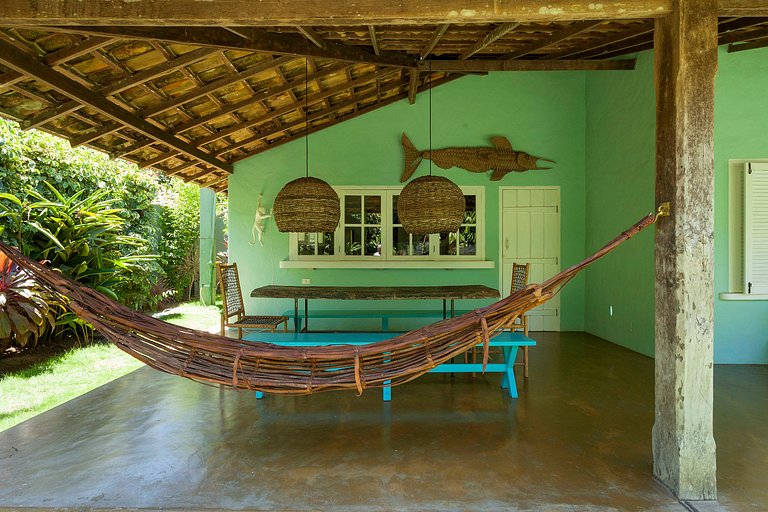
(685, 66)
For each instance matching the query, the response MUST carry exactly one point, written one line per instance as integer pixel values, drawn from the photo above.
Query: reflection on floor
(578, 438)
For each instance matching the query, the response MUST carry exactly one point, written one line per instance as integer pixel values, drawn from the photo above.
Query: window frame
(387, 193)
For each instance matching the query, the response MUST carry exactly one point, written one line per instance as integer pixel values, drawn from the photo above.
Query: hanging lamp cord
(430, 116)
(306, 116)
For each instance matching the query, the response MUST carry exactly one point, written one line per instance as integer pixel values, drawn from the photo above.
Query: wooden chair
(232, 298)
(520, 273)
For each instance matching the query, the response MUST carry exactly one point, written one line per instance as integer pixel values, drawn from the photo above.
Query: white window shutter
(756, 228)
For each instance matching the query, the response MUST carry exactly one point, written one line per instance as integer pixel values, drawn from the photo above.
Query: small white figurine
(258, 223)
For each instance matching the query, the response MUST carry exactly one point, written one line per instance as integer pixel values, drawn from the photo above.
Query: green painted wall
(620, 188)
(620, 173)
(741, 105)
(541, 113)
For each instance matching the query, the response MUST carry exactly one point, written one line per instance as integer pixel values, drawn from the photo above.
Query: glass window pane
(352, 210)
(420, 245)
(373, 241)
(467, 240)
(307, 244)
(400, 241)
(395, 218)
(353, 241)
(373, 210)
(326, 247)
(448, 244)
(470, 215)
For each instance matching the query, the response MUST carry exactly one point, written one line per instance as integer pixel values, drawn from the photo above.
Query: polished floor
(578, 438)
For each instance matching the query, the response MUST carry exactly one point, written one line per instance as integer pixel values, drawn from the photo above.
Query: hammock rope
(276, 369)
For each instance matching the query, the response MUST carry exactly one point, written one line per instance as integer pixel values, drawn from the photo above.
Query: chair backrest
(519, 276)
(231, 295)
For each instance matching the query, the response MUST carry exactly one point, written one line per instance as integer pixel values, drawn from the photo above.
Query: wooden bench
(509, 342)
(384, 315)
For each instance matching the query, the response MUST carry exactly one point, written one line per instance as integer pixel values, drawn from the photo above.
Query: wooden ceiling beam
(19, 61)
(751, 45)
(76, 50)
(237, 13)
(124, 84)
(436, 35)
(88, 137)
(360, 112)
(274, 91)
(132, 148)
(489, 38)
(312, 98)
(162, 157)
(257, 40)
(10, 77)
(620, 48)
(413, 85)
(594, 48)
(157, 71)
(742, 8)
(216, 84)
(313, 36)
(177, 170)
(561, 35)
(738, 36)
(640, 47)
(464, 66)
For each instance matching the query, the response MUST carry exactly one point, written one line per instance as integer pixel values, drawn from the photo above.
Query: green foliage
(180, 226)
(83, 236)
(30, 159)
(26, 310)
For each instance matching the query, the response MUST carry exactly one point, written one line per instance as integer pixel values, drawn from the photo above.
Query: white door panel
(530, 233)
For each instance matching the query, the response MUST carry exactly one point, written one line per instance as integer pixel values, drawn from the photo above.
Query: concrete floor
(578, 438)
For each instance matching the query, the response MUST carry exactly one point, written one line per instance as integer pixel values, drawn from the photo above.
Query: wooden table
(444, 293)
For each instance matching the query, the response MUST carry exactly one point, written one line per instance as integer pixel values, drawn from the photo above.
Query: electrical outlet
(306, 281)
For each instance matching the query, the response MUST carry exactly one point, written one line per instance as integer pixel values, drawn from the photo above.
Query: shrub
(180, 228)
(83, 236)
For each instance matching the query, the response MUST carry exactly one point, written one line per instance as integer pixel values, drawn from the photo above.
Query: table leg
(452, 309)
(508, 379)
(295, 315)
(306, 315)
(445, 315)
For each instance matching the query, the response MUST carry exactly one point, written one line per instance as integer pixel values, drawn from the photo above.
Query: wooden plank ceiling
(192, 101)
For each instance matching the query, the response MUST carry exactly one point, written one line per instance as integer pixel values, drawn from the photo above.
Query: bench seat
(384, 315)
(509, 342)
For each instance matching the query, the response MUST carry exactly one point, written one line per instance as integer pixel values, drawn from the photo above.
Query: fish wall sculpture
(501, 159)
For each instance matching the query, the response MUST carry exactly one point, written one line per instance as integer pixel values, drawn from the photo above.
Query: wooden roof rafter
(11, 57)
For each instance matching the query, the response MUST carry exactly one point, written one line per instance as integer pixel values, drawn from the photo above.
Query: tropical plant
(81, 236)
(26, 310)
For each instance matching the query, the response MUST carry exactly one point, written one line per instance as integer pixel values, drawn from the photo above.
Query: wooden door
(530, 233)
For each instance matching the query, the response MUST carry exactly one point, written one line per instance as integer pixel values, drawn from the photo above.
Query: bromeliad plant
(26, 310)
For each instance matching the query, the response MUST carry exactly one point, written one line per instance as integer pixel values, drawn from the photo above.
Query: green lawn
(50, 383)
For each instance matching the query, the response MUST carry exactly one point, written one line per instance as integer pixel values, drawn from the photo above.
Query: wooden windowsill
(436, 264)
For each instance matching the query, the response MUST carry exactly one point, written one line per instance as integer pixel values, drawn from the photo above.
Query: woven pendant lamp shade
(431, 204)
(307, 205)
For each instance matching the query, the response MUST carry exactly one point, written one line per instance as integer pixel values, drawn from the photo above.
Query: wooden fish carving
(501, 159)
